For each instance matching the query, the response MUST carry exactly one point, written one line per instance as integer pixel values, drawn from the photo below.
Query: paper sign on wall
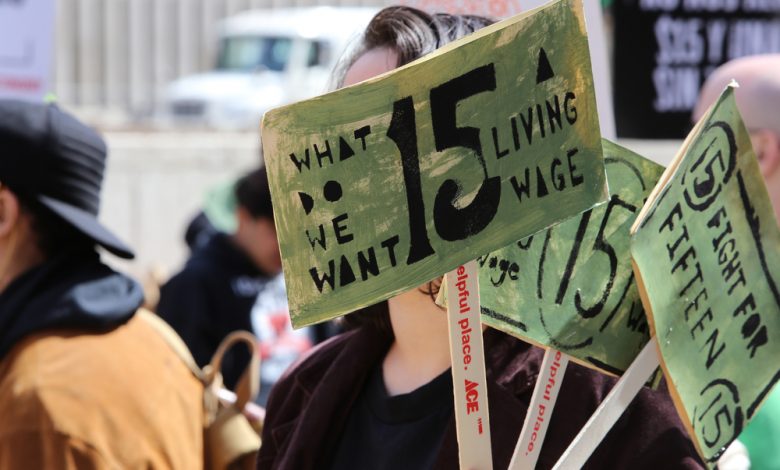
(380, 187)
(571, 287)
(26, 30)
(706, 250)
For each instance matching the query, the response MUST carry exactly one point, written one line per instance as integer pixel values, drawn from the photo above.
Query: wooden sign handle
(537, 418)
(613, 406)
(472, 420)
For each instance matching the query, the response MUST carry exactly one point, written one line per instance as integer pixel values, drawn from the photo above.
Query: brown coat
(309, 406)
(120, 399)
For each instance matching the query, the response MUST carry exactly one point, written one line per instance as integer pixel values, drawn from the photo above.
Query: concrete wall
(155, 182)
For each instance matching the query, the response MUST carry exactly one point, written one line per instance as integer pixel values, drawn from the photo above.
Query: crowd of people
(88, 381)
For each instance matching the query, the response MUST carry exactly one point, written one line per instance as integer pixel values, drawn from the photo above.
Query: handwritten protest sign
(380, 187)
(706, 250)
(571, 287)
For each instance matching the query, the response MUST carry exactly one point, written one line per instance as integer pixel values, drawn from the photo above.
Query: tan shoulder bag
(229, 440)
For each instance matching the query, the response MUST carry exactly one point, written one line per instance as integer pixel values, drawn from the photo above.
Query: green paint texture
(706, 252)
(571, 286)
(417, 171)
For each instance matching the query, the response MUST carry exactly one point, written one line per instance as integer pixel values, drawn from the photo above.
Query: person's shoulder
(134, 345)
(315, 360)
(297, 393)
(86, 385)
(36, 417)
(45, 386)
(195, 270)
(196, 279)
(20, 383)
(291, 393)
(205, 259)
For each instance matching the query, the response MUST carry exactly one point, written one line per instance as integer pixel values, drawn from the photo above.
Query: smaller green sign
(706, 250)
(571, 287)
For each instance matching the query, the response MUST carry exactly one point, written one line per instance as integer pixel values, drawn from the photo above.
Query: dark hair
(253, 194)
(411, 33)
(52, 234)
(199, 231)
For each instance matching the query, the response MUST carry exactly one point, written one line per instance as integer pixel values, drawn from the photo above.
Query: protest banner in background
(382, 186)
(665, 49)
(26, 37)
(571, 287)
(706, 249)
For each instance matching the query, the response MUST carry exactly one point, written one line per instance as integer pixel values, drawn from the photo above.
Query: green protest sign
(571, 287)
(382, 186)
(706, 249)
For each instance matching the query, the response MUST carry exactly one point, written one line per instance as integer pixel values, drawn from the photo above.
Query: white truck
(266, 58)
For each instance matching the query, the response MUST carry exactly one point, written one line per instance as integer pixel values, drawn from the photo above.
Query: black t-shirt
(404, 431)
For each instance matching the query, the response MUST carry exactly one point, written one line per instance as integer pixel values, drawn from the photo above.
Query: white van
(266, 58)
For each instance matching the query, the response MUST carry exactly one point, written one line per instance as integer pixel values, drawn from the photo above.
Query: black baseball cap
(48, 155)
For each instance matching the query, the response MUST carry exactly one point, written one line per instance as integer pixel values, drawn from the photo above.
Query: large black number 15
(451, 223)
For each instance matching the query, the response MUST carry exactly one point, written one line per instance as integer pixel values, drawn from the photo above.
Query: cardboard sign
(571, 287)
(382, 186)
(26, 30)
(706, 250)
(665, 49)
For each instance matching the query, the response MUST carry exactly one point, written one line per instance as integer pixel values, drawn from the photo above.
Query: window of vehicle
(319, 54)
(247, 53)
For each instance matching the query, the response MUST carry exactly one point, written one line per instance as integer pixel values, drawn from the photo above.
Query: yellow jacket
(120, 399)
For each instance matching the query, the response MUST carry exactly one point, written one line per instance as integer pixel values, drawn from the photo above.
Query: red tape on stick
(537, 418)
(468, 368)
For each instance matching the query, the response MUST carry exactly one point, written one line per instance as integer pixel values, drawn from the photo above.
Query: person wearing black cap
(84, 382)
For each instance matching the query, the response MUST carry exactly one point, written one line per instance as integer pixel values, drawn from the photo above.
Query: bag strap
(229, 437)
(174, 341)
(248, 385)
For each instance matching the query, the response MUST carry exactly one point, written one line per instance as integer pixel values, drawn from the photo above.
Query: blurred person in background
(84, 381)
(199, 231)
(233, 282)
(381, 394)
(758, 100)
